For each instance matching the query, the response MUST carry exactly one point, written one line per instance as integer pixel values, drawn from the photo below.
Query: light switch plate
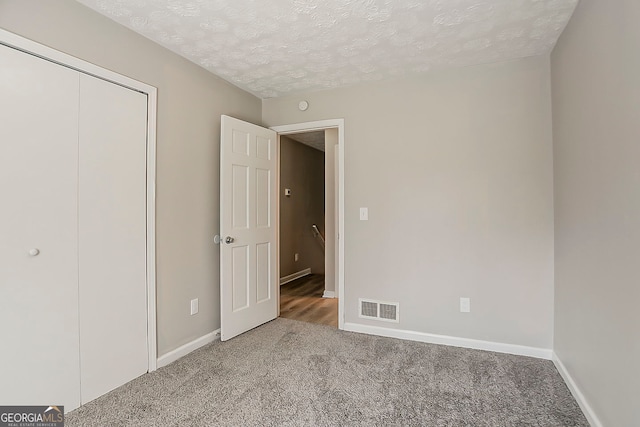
(364, 214)
(194, 306)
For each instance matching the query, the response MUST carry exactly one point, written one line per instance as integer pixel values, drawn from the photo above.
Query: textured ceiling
(314, 139)
(276, 47)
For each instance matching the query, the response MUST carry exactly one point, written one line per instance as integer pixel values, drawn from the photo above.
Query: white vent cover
(379, 310)
(388, 311)
(368, 309)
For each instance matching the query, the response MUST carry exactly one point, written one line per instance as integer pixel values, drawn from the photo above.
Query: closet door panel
(39, 361)
(112, 236)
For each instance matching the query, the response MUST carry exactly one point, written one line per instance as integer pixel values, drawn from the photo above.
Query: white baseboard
(521, 350)
(294, 276)
(577, 394)
(182, 351)
(329, 294)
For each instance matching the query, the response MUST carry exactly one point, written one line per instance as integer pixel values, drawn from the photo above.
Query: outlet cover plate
(465, 305)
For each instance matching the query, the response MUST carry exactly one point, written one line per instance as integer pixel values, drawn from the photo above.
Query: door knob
(229, 240)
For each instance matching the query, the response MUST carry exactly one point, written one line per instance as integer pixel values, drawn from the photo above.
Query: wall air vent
(388, 311)
(378, 310)
(368, 309)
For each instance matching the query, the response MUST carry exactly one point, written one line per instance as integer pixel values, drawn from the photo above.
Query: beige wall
(190, 102)
(596, 114)
(456, 170)
(302, 171)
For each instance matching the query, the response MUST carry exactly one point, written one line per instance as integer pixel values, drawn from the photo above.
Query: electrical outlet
(296, 257)
(465, 305)
(194, 306)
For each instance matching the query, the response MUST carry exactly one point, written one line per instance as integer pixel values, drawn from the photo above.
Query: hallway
(302, 300)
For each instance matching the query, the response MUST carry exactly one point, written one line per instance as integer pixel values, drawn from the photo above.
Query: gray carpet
(290, 373)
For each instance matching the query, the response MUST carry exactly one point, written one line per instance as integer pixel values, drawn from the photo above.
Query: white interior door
(39, 213)
(112, 236)
(248, 191)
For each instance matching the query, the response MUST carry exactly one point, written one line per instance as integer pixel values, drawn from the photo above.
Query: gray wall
(190, 102)
(456, 170)
(302, 171)
(596, 115)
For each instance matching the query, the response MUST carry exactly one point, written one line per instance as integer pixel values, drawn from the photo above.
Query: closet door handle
(228, 240)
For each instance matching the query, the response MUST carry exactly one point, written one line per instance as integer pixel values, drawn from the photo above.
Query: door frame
(315, 126)
(33, 48)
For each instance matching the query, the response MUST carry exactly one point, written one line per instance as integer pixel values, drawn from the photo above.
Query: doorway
(307, 291)
(310, 212)
(248, 203)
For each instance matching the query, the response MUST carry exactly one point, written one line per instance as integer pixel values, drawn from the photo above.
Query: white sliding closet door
(38, 212)
(112, 236)
(73, 303)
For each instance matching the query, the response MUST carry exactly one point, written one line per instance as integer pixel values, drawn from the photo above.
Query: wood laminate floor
(302, 300)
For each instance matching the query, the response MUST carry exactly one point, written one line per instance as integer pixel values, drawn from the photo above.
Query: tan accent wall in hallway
(302, 171)
(331, 209)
